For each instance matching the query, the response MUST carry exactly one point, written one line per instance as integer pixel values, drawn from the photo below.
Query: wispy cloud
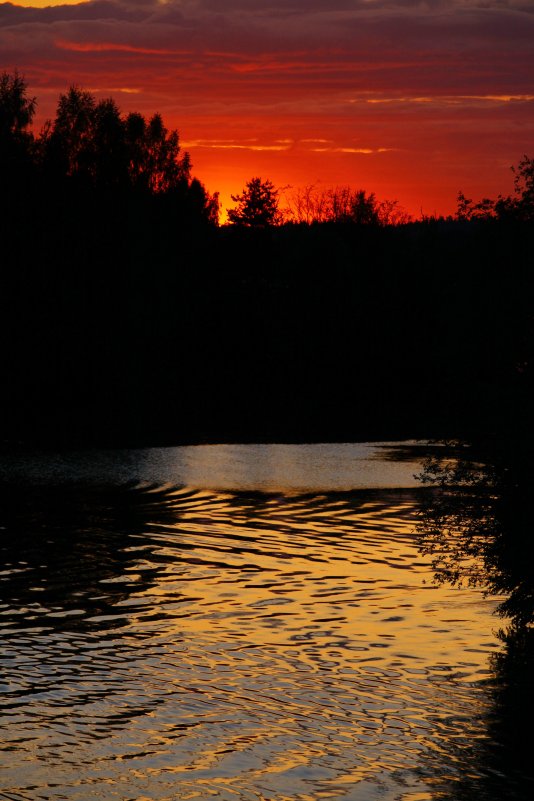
(114, 47)
(364, 151)
(445, 99)
(234, 145)
(125, 90)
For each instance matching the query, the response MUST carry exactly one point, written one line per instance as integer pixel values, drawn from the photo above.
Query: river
(240, 622)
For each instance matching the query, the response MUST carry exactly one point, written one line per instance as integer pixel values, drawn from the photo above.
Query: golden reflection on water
(362, 578)
(241, 646)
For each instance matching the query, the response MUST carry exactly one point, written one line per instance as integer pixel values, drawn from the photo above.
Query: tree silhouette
(524, 188)
(519, 206)
(257, 206)
(16, 108)
(16, 115)
(202, 203)
(72, 133)
(469, 210)
(166, 168)
(476, 527)
(109, 145)
(91, 146)
(342, 204)
(90, 141)
(135, 137)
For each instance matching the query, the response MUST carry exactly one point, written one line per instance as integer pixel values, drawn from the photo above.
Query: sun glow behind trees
(380, 95)
(94, 147)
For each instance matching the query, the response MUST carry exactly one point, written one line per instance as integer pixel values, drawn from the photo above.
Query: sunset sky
(411, 99)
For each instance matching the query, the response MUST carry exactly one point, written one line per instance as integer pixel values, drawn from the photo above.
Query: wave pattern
(163, 643)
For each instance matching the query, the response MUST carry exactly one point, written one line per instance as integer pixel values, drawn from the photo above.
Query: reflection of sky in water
(187, 644)
(232, 467)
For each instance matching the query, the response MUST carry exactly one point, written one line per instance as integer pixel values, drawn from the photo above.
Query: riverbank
(117, 333)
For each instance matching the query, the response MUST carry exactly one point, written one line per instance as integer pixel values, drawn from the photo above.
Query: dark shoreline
(116, 333)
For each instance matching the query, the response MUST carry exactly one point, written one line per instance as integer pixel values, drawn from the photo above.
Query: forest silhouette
(91, 151)
(130, 317)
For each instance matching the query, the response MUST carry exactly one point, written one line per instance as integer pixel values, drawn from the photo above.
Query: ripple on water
(168, 643)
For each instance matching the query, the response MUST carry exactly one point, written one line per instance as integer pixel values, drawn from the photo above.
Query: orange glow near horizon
(411, 104)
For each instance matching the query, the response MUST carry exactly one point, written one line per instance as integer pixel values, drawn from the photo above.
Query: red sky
(411, 99)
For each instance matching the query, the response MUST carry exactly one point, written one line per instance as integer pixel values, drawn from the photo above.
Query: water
(234, 622)
(267, 467)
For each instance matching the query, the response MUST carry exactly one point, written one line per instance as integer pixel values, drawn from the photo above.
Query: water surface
(264, 467)
(163, 640)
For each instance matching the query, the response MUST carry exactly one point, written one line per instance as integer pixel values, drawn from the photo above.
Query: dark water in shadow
(178, 643)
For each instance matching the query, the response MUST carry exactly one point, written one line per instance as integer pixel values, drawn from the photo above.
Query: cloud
(114, 47)
(329, 79)
(444, 100)
(282, 145)
(277, 52)
(361, 151)
(215, 144)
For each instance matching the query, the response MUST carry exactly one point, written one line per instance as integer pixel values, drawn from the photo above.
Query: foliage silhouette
(90, 141)
(519, 206)
(523, 202)
(342, 204)
(257, 205)
(469, 210)
(17, 110)
(476, 524)
(90, 147)
(354, 206)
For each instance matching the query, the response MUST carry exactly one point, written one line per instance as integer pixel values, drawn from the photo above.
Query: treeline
(519, 206)
(128, 317)
(262, 204)
(343, 204)
(287, 333)
(91, 152)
